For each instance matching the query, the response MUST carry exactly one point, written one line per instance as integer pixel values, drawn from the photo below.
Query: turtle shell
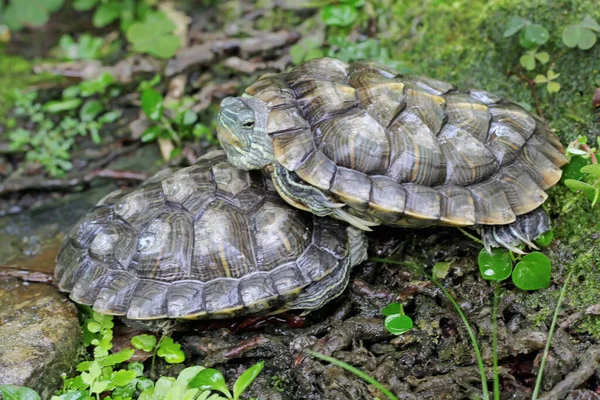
(408, 150)
(207, 241)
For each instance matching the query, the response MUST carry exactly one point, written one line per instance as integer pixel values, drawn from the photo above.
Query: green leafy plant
(344, 49)
(307, 48)
(154, 35)
(463, 317)
(165, 347)
(341, 13)
(212, 379)
(528, 60)
(531, 35)
(582, 34)
(586, 178)
(532, 271)
(12, 392)
(396, 321)
(87, 47)
(108, 11)
(57, 123)
(173, 121)
(29, 13)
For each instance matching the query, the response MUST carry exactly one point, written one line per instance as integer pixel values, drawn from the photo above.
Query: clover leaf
(582, 34)
(533, 36)
(528, 60)
(548, 79)
(154, 35)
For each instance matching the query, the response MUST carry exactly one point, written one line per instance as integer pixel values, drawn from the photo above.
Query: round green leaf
(152, 104)
(144, 342)
(570, 35)
(527, 61)
(393, 309)
(496, 266)
(545, 238)
(533, 36)
(514, 25)
(210, 379)
(246, 379)
(542, 57)
(339, 15)
(532, 272)
(587, 39)
(398, 324)
(553, 87)
(590, 23)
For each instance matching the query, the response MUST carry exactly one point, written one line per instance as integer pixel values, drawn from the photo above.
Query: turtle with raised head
(364, 144)
(206, 241)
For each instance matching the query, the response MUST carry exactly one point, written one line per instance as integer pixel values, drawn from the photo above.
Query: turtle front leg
(309, 198)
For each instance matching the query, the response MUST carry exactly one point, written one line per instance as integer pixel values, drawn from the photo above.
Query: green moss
(16, 74)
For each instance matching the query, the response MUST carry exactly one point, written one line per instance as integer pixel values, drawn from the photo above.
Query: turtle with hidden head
(206, 241)
(369, 146)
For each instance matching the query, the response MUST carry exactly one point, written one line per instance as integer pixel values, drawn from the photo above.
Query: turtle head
(242, 131)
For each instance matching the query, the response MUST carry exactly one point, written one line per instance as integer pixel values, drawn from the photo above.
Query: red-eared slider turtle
(207, 241)
(370, 146)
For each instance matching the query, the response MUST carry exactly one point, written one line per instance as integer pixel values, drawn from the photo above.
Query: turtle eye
(249, 123)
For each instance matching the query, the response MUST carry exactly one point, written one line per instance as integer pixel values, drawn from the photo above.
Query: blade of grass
(484, 386)
(495, 341)
(538, 381)
(355, 371)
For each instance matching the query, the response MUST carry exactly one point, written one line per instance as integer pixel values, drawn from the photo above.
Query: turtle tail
(524, 230)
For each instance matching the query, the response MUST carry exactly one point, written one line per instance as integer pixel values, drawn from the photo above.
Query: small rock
(39, 336)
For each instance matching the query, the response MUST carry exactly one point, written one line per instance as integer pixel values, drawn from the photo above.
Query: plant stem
(538, 381)
(484, 386)
(495, 341)
(472, 237)
(355, 371)
(472, 336)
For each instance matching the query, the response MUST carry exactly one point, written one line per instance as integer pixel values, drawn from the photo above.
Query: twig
(41, 183)
(26, 275)
(531, 85)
